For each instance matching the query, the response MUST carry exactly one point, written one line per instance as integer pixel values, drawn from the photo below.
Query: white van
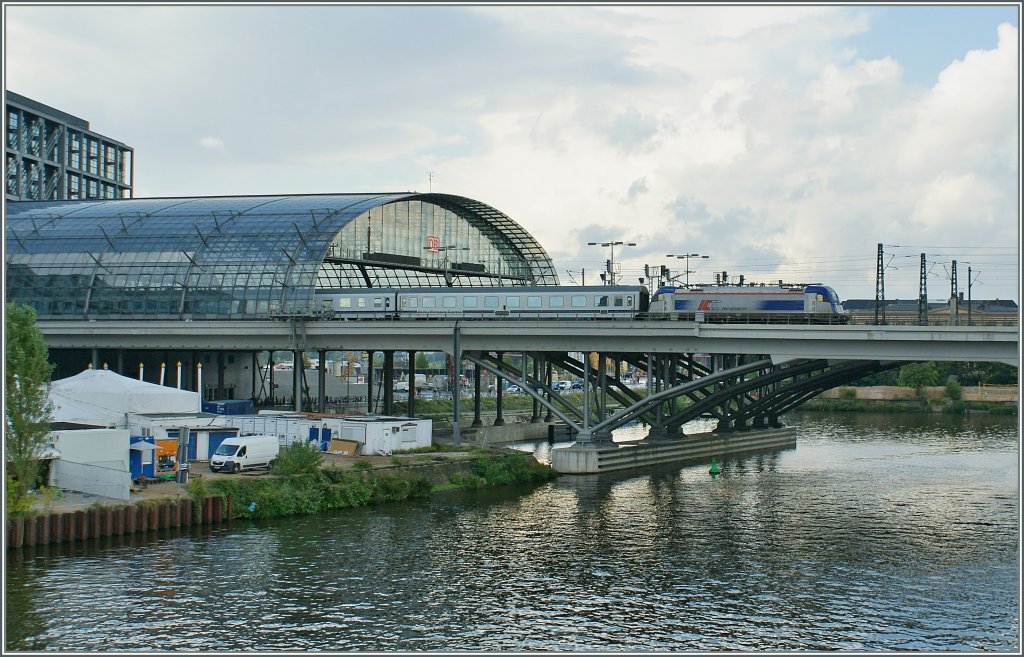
(244, 452)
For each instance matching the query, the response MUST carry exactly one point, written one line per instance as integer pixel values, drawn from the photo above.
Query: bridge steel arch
(747, 396)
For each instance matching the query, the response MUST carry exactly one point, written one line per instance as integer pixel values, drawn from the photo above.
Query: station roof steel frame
(209, 257)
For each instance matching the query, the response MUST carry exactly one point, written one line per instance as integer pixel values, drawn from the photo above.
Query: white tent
(104, 397)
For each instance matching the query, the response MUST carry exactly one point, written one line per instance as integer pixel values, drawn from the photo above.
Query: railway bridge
(745, 376)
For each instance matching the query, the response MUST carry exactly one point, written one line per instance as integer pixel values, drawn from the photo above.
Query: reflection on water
(875, 533)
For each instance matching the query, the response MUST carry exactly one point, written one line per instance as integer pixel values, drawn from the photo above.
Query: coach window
(448, 302)
(601, 301)
(533, 302)
(344, 302)
(361, 303)
(556, 301)
(578, 301)
(617, 301)
(429, 302)
(413, 302)
(469, 302)
(511, 302)
(490, 302)
(378, 302)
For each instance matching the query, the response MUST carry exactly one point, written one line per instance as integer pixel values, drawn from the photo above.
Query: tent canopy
(105, 396)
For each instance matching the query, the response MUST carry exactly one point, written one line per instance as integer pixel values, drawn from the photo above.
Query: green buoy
(714, 468)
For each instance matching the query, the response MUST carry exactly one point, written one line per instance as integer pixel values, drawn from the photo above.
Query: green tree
(918, 375)
(421, 361)
(26, 396)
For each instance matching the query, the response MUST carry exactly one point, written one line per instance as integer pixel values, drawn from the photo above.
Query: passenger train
(772, 304)
(543, 302)
(817, 304)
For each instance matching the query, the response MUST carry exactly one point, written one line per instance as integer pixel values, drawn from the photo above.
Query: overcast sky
(781, 141)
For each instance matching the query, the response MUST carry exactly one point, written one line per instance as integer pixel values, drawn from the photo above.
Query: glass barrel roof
(253, 256)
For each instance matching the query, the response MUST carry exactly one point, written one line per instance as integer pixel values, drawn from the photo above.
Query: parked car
(514, 390)
(577, 385)
(562, 385)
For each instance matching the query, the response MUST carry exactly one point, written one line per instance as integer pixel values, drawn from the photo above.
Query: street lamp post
(610, 278)
(445, 249)
(687, 256)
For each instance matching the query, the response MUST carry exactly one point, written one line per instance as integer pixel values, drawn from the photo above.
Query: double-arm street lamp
(687, 256)
(445, 250)
(610, 265)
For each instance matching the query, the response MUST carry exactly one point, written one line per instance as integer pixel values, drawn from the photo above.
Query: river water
(876, 533)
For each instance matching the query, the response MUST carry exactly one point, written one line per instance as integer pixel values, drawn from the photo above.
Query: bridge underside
(740, 392)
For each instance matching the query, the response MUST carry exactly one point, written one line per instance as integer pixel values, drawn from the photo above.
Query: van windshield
(226, 450)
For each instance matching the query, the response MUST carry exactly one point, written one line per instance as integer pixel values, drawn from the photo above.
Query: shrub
(15, 504)
(467, 480)
(953, 390)
(848, 393)
(953, 407)
(298, 458)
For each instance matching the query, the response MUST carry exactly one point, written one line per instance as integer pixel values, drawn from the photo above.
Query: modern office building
(53, 155)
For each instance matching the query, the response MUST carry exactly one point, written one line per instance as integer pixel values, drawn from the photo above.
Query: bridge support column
(297, 380)
(535, 416)
(321, 387)
(256, 378)
(411, 406)
(549, 416)
(221, 392)
(388, 382)
(369, 381)
(477, 422)
(499, 421)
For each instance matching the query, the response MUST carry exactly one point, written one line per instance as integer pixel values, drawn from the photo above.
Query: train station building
(248, 257)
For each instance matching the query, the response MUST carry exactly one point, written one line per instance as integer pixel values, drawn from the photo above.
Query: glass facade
(52, 155)
(254, 257)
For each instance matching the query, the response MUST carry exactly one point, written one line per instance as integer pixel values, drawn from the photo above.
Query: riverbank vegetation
(331, 488)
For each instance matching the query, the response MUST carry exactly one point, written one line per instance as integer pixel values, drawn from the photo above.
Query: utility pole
(954, 296)
(922, 296)
(880, 288)
(970, 283)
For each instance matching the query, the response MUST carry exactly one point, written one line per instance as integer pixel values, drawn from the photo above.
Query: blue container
(135, 458)
(229, 407)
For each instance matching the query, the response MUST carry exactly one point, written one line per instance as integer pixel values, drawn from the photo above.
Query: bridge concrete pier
(594, 458)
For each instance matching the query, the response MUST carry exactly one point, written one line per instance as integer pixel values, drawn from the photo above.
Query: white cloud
(212, 143)
(753, 134)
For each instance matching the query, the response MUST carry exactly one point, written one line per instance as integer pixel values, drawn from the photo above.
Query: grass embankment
(332, 488)
(948, 406)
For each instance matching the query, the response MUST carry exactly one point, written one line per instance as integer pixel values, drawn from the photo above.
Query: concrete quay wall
(591, 459)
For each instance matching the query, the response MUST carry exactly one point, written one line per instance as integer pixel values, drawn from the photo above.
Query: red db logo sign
(433, 244)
